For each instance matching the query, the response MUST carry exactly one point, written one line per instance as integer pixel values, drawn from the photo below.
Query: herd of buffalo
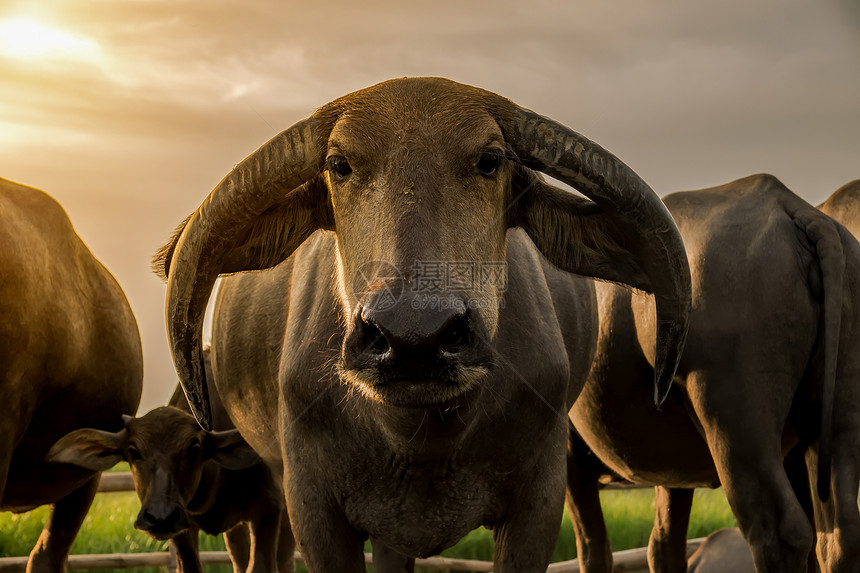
(435, 338)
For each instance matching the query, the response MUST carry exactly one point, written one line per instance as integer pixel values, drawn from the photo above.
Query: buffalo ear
(92, 449)
(230, 450)
(279, 230)
(573, 233)
(273, 235)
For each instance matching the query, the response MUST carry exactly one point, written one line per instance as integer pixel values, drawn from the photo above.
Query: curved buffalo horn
(269, 174)
(559, 152)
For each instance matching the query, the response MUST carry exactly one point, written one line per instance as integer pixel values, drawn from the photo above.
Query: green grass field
(108, 528)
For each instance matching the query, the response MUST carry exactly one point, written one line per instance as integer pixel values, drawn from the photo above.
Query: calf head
(166, 450)
(420, 179)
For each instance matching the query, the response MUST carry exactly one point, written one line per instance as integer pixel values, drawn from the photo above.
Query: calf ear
(230, 450)
(92, 449)
(573, 233)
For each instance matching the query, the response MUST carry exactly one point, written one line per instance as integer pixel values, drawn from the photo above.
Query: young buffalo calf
(188, 479)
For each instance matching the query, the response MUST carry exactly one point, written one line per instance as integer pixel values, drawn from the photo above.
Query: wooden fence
(630, 561)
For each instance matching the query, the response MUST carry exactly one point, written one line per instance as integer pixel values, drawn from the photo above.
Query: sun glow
(29, 40)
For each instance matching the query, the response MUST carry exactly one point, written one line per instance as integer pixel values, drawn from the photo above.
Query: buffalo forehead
(437, 117)
(164, 430)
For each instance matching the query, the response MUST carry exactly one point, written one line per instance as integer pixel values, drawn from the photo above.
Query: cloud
(241, 90)
(29, 40)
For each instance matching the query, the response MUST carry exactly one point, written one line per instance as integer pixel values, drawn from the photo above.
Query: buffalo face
(168, 453)
(420, 231)
(420, 179)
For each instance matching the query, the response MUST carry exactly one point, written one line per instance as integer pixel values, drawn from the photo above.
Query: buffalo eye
(339, 165)
(133, 454)
(489, 163)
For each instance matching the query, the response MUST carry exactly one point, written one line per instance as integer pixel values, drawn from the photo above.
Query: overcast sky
(129, 111)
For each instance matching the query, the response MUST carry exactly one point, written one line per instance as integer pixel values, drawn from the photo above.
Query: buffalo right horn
(547, 146)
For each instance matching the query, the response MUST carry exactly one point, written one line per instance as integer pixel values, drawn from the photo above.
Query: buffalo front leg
(238, 542)
(326, 541)
(286, 545)
(667, 548)
(583, 503)
(525, 537)
(51, 552)
(386, 560)
(325, 538)
(329, 545)
(187, 553)
(265, 539)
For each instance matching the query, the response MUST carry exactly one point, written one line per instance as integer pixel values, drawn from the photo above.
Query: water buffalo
(71, 356)
(408, 360)
(724, 551)
(189, 480)
(771, 365)
(844, 206)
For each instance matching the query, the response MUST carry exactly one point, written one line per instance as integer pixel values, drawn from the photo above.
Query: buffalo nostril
(455, 336)
(174, 519)
(147, 522)
(170, 521)
(144, 521)
(375, 339)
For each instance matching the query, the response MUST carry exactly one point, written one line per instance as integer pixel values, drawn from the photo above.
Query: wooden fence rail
(123, 482)
(116, 482)
(630, 561)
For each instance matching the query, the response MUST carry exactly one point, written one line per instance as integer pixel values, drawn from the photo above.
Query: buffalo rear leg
(667, 548)
(51, 552)
(745, 442)
(795, 469)
(583, 503)
(837, 521)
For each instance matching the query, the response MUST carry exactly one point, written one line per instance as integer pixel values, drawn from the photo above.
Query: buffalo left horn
(277, 169)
